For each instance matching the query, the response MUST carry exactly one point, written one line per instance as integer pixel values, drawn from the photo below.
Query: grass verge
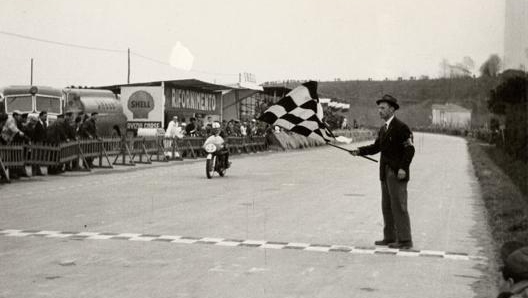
(506, 205)
(501, 180)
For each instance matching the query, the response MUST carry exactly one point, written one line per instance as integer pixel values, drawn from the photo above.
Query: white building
(451, 115)
(516, 35)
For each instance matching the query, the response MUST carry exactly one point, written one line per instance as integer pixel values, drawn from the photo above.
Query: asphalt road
(289, 224)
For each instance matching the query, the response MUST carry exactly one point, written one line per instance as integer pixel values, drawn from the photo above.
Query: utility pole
(31, 78)
(128, 75)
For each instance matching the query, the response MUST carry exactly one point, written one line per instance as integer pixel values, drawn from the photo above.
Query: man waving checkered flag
(300, 112)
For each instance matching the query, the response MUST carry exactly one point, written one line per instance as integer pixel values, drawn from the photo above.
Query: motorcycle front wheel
(209, 167)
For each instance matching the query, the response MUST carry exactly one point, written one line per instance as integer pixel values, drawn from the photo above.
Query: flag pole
(366, 157)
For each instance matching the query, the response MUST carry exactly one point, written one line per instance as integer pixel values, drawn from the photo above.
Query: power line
(62, 43)
(148, 58)
(104, 50)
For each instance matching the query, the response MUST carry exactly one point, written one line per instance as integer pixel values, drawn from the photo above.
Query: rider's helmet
(215, 128)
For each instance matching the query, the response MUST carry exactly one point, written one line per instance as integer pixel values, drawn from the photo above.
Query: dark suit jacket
(56, 132)
(69, 129)
(88, 129)
(396, 149)
(39, 134)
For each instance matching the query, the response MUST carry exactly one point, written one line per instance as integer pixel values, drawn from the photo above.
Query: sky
(216, 40)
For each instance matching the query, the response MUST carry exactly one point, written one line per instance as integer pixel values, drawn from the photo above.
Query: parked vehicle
(32, 100)
(104, 102)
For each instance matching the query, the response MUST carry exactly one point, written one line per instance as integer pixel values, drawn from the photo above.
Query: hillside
(416, 97)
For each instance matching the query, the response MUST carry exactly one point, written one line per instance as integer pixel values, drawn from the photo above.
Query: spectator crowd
(200, 128)
(24, 128)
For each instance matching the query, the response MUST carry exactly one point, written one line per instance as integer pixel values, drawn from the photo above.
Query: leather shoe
(383, 242)
(401, 245)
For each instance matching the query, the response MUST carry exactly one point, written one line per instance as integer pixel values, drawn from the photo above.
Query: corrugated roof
(186, 83)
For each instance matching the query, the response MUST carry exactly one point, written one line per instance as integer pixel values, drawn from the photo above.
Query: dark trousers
(394, 208)
(223, 154)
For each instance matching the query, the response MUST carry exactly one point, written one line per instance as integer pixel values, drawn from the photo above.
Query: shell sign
(143, 106)
(140, 103)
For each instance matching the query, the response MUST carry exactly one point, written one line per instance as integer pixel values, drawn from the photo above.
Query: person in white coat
(174, 129)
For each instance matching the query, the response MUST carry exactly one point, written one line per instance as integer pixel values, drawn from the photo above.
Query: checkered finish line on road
(324, 248)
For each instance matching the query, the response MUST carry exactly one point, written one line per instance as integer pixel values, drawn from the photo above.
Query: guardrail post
(125, 151)
(3, 171)
(160, 151)
(144, 152)
(81, 156)
(102, 153)
(173, 147)
(192, 149)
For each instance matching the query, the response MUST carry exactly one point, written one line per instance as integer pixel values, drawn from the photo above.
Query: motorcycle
(213, 163)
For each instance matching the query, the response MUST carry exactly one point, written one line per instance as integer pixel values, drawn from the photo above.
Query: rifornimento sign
(190, 100)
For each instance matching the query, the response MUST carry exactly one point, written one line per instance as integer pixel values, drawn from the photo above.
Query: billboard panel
(143, 106)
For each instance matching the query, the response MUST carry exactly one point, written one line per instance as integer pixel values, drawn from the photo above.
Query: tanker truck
(104, 102)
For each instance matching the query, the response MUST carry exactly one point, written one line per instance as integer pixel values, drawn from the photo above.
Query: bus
(32, 100)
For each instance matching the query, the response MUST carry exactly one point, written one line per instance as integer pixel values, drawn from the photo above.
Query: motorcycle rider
(219, 142)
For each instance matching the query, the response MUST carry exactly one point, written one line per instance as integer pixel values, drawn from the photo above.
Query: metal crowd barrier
(191, 147)
(129, 150)
(42, 154)
(11, 156)
(145, 148)
(234, 145)
(237, 145)
(71, 150)
(112, 146)
(154, 147)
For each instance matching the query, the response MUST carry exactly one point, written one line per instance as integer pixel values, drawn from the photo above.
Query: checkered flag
(300, 112)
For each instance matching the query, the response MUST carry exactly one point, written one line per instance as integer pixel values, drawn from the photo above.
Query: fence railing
(124, 151)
